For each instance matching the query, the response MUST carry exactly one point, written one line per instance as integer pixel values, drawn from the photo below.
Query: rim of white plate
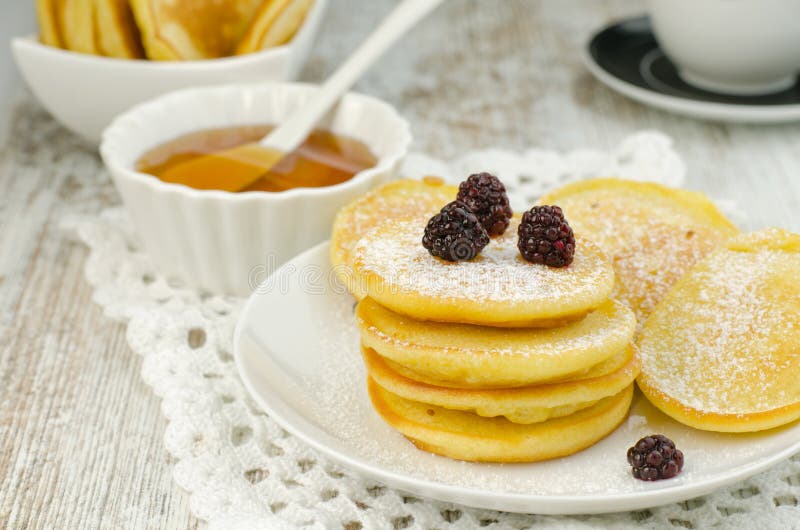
(542, 504)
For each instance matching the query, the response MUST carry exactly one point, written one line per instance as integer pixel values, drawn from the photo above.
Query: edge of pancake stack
(494, 359)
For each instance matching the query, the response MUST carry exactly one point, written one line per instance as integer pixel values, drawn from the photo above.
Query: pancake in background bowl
(75, 20)
(97, 27)
(49, 32)
(116, 31)
(275, 22)
(192, 29)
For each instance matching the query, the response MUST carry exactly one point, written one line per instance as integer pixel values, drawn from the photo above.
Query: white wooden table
(81, 435)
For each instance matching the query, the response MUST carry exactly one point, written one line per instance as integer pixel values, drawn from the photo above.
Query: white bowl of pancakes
(93, 60)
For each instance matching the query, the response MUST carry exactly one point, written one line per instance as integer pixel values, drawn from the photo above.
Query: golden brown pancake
(653, 233)
(274, 24)
(192, 29)
(116, 32)
(496, 288)
(396, 199)
(529, 404)
(653, 260)
(49, 32)
(98, 27)
(721, 352)
(467, 436)
(76, 25)
(467, 356)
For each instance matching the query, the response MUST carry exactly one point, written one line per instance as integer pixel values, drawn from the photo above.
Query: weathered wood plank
(80, 445)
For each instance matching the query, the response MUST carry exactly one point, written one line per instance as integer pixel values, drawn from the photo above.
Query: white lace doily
(243, 471)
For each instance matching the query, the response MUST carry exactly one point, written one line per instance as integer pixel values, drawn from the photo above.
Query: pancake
(497, 288)
(116, 31)
(484, 357)
(49, 32)
(394, 200)
(192, 29)
(75, 19)
(653, 260)
(530, 404)
(466, 436)
(653, 233)
(721, 352)
(99, 27)
(275, 23)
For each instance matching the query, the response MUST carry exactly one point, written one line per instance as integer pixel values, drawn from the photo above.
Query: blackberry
(485, 195)
(546, 237)
(655, 457)
(455, 234)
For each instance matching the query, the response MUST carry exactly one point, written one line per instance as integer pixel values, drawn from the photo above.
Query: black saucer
(629, 52)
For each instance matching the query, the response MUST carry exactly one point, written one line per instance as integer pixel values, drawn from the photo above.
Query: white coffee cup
(743, 47)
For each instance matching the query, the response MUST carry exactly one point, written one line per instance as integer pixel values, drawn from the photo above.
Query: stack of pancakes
(496, 359)
(493, 359)
(169, 29)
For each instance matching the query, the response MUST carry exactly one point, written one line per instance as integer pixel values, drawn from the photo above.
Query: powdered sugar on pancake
(397, 199)
(655, 257)
(726, 340)
(395, 253)
(652, 235)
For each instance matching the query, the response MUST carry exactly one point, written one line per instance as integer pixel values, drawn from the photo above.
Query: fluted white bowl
(229, 242)
(85, 92)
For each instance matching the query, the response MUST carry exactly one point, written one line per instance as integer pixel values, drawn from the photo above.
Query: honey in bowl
(324, 159)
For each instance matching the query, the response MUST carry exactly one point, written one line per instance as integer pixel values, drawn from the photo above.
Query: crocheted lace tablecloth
(243, 471)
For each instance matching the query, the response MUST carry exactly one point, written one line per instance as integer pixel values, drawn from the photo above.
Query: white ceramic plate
(296, 347)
